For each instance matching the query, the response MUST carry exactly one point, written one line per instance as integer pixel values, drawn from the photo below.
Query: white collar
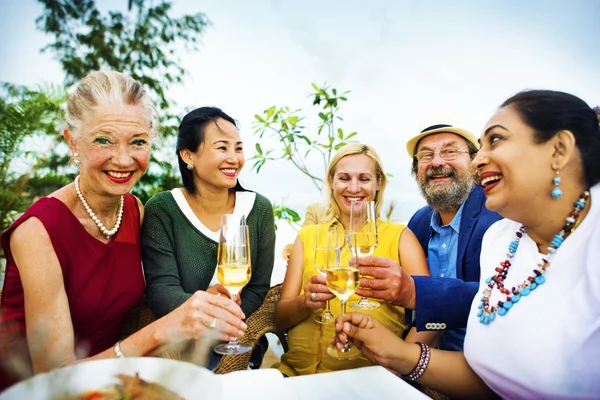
(244, 201)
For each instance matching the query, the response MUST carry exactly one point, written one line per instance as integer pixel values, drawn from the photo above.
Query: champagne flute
(343, 281)
(233, 267)
(329, 241)
(362, 240)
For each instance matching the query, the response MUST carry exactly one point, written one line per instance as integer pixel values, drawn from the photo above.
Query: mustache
(440, 172)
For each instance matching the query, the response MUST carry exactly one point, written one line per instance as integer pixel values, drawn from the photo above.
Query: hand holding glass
(233, 267)
(327, 255)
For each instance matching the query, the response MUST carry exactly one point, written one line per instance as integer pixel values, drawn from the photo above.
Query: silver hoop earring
(190, 166)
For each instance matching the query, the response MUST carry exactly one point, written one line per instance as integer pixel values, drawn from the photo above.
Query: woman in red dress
(73, 259)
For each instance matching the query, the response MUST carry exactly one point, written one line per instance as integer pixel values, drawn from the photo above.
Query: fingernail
(240, 333)
(244, 326)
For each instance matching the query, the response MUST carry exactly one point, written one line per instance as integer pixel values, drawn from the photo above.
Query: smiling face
(220, 157)
(513, 169)
(445, 185)
(113, 148)
(354, 179)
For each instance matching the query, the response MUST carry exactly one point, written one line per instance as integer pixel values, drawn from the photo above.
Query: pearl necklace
(487, 313)
(108, 233)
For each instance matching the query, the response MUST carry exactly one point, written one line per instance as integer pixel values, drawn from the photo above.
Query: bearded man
(450, 228)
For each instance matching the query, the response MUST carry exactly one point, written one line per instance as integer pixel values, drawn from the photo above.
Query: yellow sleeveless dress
(308, 340)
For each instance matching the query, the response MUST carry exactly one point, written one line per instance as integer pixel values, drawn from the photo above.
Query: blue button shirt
(443, 246)
(441, 258)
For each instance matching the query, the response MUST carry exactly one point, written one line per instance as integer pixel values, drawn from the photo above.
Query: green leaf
(340, 133)
(258, 148)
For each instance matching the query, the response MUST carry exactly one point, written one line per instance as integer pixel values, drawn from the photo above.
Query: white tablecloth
(369, 382)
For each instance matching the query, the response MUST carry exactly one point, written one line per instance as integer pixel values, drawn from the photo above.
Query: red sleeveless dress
(103, 281)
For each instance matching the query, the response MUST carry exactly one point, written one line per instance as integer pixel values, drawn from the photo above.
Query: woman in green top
(180, 233)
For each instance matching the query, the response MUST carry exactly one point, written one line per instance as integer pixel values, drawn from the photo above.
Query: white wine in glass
(329, 241)
(343, 281)
(363, 239)
(233, 267)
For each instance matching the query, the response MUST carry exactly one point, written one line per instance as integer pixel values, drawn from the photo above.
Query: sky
(408, 65)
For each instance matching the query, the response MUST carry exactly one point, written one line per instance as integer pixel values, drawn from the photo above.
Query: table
(373, 382)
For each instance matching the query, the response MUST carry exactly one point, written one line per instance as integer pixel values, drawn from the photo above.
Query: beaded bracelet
(118, 351)
(421, 364)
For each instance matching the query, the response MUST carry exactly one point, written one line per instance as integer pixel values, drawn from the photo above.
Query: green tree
(141, 42)
(24, 115)
(295, 145)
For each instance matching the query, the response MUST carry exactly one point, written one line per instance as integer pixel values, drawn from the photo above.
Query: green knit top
(180, 254)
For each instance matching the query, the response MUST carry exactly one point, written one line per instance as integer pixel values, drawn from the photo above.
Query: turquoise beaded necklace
(486, 313)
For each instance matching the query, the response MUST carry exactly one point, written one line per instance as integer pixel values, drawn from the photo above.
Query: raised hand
(376, 342)
(203, 314)
(316, 292)
(389, 281)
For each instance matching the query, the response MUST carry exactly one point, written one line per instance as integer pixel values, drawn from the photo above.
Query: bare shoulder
(31, 230)
(31, 246)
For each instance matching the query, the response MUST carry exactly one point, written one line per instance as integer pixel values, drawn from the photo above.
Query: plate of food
(121, 378)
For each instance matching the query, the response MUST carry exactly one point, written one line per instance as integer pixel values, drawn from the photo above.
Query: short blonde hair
(333, 209)
(100, 88)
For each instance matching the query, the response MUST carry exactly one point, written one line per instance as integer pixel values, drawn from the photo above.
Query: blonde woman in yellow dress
(355, 174)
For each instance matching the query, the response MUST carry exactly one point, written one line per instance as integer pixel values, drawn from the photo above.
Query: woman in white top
(534, 326)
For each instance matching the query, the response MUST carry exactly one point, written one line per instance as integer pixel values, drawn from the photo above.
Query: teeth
(119, 174)
(229, 171)
(354, 198)
(489, 179)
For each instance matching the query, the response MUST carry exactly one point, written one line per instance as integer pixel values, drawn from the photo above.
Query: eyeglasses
(426, 156)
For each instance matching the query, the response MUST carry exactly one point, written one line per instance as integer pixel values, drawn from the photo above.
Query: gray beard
(446, 196)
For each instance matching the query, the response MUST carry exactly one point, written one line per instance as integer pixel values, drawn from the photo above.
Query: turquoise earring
(557, 191)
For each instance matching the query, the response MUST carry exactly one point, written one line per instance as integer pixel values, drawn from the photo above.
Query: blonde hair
(333, 209)
(100, 88)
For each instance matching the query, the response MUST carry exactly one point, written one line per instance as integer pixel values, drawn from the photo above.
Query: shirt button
(441, 275)
(443, 245)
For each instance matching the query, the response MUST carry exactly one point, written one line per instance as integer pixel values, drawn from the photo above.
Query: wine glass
(233, 267)
(362, 239)
(329, 241)
(343, 281)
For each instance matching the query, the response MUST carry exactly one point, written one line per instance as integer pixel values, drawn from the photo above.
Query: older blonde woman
(354, 174)
(73, 259)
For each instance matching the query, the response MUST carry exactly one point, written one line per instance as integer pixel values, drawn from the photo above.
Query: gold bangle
(118, 351)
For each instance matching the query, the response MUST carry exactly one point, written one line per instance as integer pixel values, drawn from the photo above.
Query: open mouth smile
(229, 171)
(119, 176)
(489, 180)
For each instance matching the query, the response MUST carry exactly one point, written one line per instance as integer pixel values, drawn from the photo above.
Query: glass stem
(233, 341)
(327, 307)
(347, 343)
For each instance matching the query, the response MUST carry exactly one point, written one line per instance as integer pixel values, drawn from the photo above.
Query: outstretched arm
(50, 334)
(447, 372)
